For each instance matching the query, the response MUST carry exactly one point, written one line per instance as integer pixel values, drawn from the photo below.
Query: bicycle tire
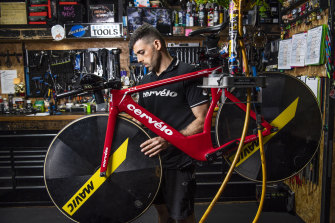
(72, 164)
(291, 148)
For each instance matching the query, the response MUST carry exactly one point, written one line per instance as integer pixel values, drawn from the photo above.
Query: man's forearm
(193, 128)
(198, 124)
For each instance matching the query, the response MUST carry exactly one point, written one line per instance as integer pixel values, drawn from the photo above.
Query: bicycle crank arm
(224, 150)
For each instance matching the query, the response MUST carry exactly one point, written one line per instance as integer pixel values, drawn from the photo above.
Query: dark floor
(222, 212)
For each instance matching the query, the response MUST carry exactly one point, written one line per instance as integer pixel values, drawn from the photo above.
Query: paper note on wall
(312, 83)
(298, 51)
(284, 54)
(7, 81)
(314, 43)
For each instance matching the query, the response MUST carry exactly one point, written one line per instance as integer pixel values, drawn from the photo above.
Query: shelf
(23, 33)
(293, 6)
(300, 17)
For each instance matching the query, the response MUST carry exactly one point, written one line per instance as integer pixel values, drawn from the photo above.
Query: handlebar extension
(69, 93)
(113, 84)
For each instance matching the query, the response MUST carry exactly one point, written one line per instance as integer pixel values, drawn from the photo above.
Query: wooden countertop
(50, 122)
(13, 118)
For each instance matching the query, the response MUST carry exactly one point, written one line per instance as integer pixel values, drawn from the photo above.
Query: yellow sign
(92, 184)
(280, 121)
(13, 13)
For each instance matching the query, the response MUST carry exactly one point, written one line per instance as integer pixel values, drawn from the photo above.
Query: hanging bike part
(72, 172)
(292, 109)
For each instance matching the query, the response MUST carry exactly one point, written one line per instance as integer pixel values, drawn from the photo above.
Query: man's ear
(157, 44)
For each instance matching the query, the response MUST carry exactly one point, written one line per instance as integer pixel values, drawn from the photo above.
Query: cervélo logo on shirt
(162, 93)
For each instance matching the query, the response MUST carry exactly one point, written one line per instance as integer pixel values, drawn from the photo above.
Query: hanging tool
(8, 62)
(99, 63)
(43, 53)
(104, 62)
(77, 62)
(93, 59)
(17, 57)
(115, 54)
(83, 69)
(111, 67)
(36, 81)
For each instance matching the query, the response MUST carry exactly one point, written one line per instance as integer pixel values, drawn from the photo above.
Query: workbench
(39, 123)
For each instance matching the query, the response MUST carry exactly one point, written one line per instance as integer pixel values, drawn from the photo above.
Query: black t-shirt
(172, 103)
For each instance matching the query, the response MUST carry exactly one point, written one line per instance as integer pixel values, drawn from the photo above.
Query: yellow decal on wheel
(92, 184)
(280, 121)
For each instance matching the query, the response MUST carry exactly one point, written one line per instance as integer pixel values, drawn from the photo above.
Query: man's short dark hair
(148, 33)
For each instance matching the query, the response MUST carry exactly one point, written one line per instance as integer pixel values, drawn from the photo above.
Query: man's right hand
(154, 146)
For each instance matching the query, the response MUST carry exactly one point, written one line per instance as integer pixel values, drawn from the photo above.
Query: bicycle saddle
(91, 80)
(212, 29)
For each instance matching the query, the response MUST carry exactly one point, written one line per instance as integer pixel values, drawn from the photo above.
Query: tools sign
(94, 30)
(62, 70)
(108, 30)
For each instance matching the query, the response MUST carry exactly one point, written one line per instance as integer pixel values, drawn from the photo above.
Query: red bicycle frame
(197, 146)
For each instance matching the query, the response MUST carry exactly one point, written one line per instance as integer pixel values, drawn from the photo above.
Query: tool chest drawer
(21, 168)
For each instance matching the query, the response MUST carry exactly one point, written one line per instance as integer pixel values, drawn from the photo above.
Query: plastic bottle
(175, 17)
(210, 14)
(88, 108)
(202, 18)
(221, 14)
(188, 12)
(195, 14)
(29, 106)
(126, 81)
(123, 75)
(1, 106)
(6, 107)
(216, 16)
(10, 102)
(192, 14)
(180, 17)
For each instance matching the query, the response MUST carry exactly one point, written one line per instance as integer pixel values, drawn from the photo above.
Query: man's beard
(156, 61)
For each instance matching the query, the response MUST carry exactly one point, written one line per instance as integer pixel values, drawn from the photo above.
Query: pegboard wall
(39, 68)
(299, 17)
(304, 15)
(11, 59)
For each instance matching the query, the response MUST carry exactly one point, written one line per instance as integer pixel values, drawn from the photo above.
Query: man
(183, 106)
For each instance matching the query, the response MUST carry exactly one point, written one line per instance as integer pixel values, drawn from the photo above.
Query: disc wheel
(289, 105)
(72, 167)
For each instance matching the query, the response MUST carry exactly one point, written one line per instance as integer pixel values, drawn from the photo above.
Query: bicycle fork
(113, 112)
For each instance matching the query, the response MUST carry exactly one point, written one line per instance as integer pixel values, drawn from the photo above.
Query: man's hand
(154, 146)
